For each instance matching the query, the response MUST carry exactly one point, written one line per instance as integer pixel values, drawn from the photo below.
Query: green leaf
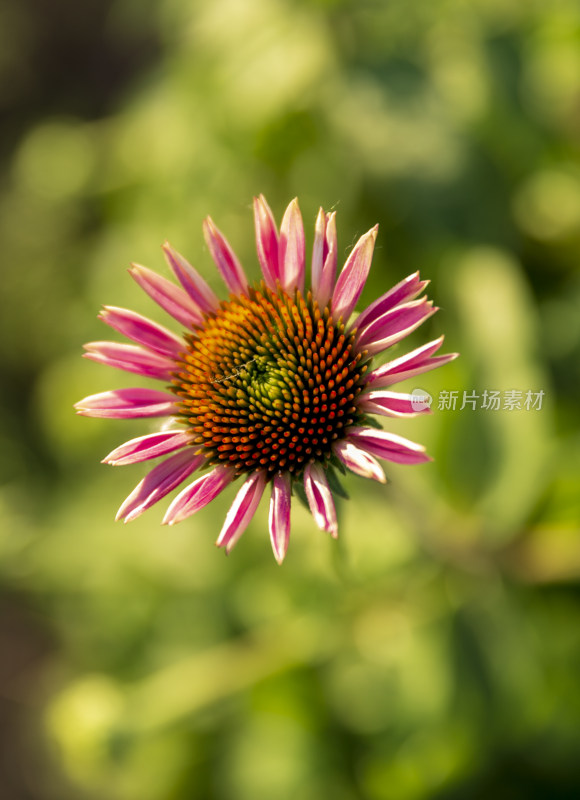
(337, 464)
(298, 491)
(335, 484)
(371, 422)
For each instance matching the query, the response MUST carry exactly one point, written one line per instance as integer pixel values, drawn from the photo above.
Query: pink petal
(191, 280)
(414, 363)
(358, 461)
(143, 331)
(242, 510)
(160, 481)
(198, 494)
(324, 258)
(291, 249)
(352, 279)
(407, 289)
(392, 404)
(166, 294)
(266, 241)
(130, 358)
(279, 518)
(320, 499)
(389, 446)
(143, 448)
(127, 404)
(226, 261)
(394, 325)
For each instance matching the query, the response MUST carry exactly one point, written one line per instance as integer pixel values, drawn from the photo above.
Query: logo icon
(420, 400)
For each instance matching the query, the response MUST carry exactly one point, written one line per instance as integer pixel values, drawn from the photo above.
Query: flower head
(274, 385)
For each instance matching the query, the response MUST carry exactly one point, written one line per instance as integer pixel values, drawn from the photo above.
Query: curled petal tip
(320, 499)
(142, 330)
(242, 510)
(359, 461)
(171, 298)
(291, 249)
(224, 257)
(354, 274)
(267, 241)
(161, 480)
(198, 494)
(381, 331)
(324, 254)
(389, 446)
(279, 516)
(195, 286)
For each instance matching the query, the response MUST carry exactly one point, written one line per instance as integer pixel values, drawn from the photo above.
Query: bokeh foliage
(433, 652)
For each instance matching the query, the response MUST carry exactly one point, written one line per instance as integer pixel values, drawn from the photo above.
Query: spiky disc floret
(269, 382)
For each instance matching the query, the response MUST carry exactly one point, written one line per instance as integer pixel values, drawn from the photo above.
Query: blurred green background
(433, 652)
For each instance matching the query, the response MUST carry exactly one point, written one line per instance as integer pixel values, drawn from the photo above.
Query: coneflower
(274, 385)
